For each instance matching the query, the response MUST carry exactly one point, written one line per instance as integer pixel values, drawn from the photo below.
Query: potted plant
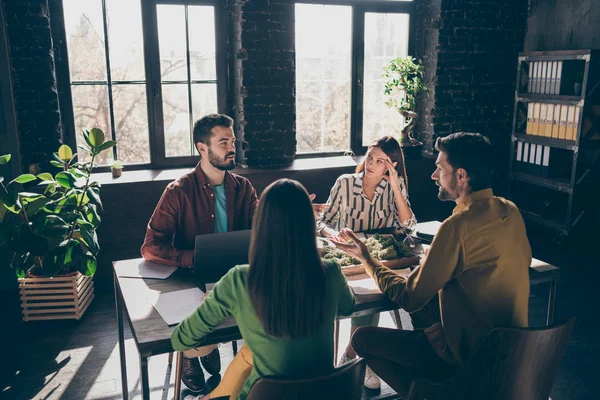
(116, 168)
(49, 235)
(403, 77)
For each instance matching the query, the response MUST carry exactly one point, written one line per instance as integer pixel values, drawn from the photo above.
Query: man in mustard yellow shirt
(478, 263)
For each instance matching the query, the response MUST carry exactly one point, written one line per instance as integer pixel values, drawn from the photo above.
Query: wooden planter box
(59, 297)
(398, 263)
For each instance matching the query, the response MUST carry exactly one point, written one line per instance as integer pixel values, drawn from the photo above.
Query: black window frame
(359, 9)
(158, 158)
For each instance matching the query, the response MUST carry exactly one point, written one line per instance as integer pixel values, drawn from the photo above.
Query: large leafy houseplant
(403, 77)
(53, 231)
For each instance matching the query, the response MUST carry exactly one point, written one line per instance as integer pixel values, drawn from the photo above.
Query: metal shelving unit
(558, 202)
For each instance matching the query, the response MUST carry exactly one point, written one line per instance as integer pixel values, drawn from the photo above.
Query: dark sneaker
(212, 362)
(192, 375)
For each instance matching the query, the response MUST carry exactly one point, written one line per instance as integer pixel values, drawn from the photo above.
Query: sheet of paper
(173, 307)
(429, 228)
(139, 268)
(364, 286)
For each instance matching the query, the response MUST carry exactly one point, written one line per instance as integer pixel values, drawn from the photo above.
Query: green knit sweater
(298, 358)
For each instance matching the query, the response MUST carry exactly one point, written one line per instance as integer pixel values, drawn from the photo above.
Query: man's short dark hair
(203, 127)
(473, 153)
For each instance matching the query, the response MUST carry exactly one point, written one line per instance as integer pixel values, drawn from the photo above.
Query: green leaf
(65, 179)
(21, 262)
(89, 236)
(106, 145)
(45, 176)
(88, 266)
(85, 148)
(65, 153)
(51, 265)
(54, 226)
(94, 196)
(4, 159)
(25, 178)
(57, 164)
(96, 137)
(12, 202)
(86, 136)
(91, 215)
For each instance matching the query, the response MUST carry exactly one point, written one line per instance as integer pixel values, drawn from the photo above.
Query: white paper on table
(175, 306)
(364, 286)
(140, 268)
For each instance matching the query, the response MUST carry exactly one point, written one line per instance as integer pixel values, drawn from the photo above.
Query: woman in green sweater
(285, 302)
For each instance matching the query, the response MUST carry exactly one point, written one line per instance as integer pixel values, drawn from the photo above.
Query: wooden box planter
(59, 297)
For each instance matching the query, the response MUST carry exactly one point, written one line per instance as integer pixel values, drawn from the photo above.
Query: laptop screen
(216, 253)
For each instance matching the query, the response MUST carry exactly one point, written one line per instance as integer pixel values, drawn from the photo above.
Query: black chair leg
(234, 346)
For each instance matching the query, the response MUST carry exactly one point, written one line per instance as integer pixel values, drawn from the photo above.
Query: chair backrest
(344, 383)
(510, 363)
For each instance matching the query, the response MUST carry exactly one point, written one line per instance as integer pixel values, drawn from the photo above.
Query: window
(341, 50)
(142, 71)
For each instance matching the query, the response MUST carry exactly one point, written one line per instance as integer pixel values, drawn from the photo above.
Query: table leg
(551, 301)
(144, 377)
(119, 306)
(178, 366)
(336, 340)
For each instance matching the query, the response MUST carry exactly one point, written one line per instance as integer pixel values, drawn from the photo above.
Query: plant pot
(116, 172)
(59, 297)
(412, 150)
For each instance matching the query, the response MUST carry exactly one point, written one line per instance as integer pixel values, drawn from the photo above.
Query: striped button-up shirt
(349, 207)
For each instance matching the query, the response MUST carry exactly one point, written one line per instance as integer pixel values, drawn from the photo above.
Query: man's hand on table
(347, 241)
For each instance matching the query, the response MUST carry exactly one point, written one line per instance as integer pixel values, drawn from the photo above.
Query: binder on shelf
(531, 161)
(544, 78)
(558, 77)
(542, 128)
(562, 129)
(576, 111)
(553, 77)
(570, 132)
(529, 126)
(536, 77)
(538, 159)
(529, 76)
(535, 128)
(549, 120)
(555, 121)
(545, 162)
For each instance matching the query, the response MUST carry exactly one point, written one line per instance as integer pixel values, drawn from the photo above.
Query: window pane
(323, 62)
(204, 100)
(90, 108)
(125, 43)
(201, 21)
(177, 120)
(85, 39)
(131, 123)
(171, 42)
(386, 37)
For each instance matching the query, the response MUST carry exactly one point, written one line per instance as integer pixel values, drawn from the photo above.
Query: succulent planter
(58, 297)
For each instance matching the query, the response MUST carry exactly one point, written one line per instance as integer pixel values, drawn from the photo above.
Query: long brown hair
(392, 149)
(286, 281)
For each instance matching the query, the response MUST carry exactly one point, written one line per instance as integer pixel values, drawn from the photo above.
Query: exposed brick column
(265, 94)
(476, 68)
(33, 72)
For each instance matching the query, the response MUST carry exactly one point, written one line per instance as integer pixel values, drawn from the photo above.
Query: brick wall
(476, 63)
(34, 80)
(267, 101)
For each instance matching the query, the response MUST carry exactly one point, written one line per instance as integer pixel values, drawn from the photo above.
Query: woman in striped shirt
(374, 197)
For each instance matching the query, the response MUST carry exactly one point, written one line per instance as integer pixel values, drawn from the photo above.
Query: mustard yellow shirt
(479, 264)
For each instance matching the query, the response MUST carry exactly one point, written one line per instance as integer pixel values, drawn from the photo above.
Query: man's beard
(450, 193)
(221, 163)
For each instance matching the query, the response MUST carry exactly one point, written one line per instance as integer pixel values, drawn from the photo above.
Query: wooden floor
(80, 359)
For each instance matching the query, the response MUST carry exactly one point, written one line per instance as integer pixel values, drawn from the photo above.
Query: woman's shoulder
(332, 267)
(347, 177)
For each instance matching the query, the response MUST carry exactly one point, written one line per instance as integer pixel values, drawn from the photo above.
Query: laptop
(427, 230)
(216, 253)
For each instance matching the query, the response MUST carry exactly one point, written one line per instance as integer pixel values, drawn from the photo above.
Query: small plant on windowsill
(116, 168)
(54, 232)
(403, 78)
